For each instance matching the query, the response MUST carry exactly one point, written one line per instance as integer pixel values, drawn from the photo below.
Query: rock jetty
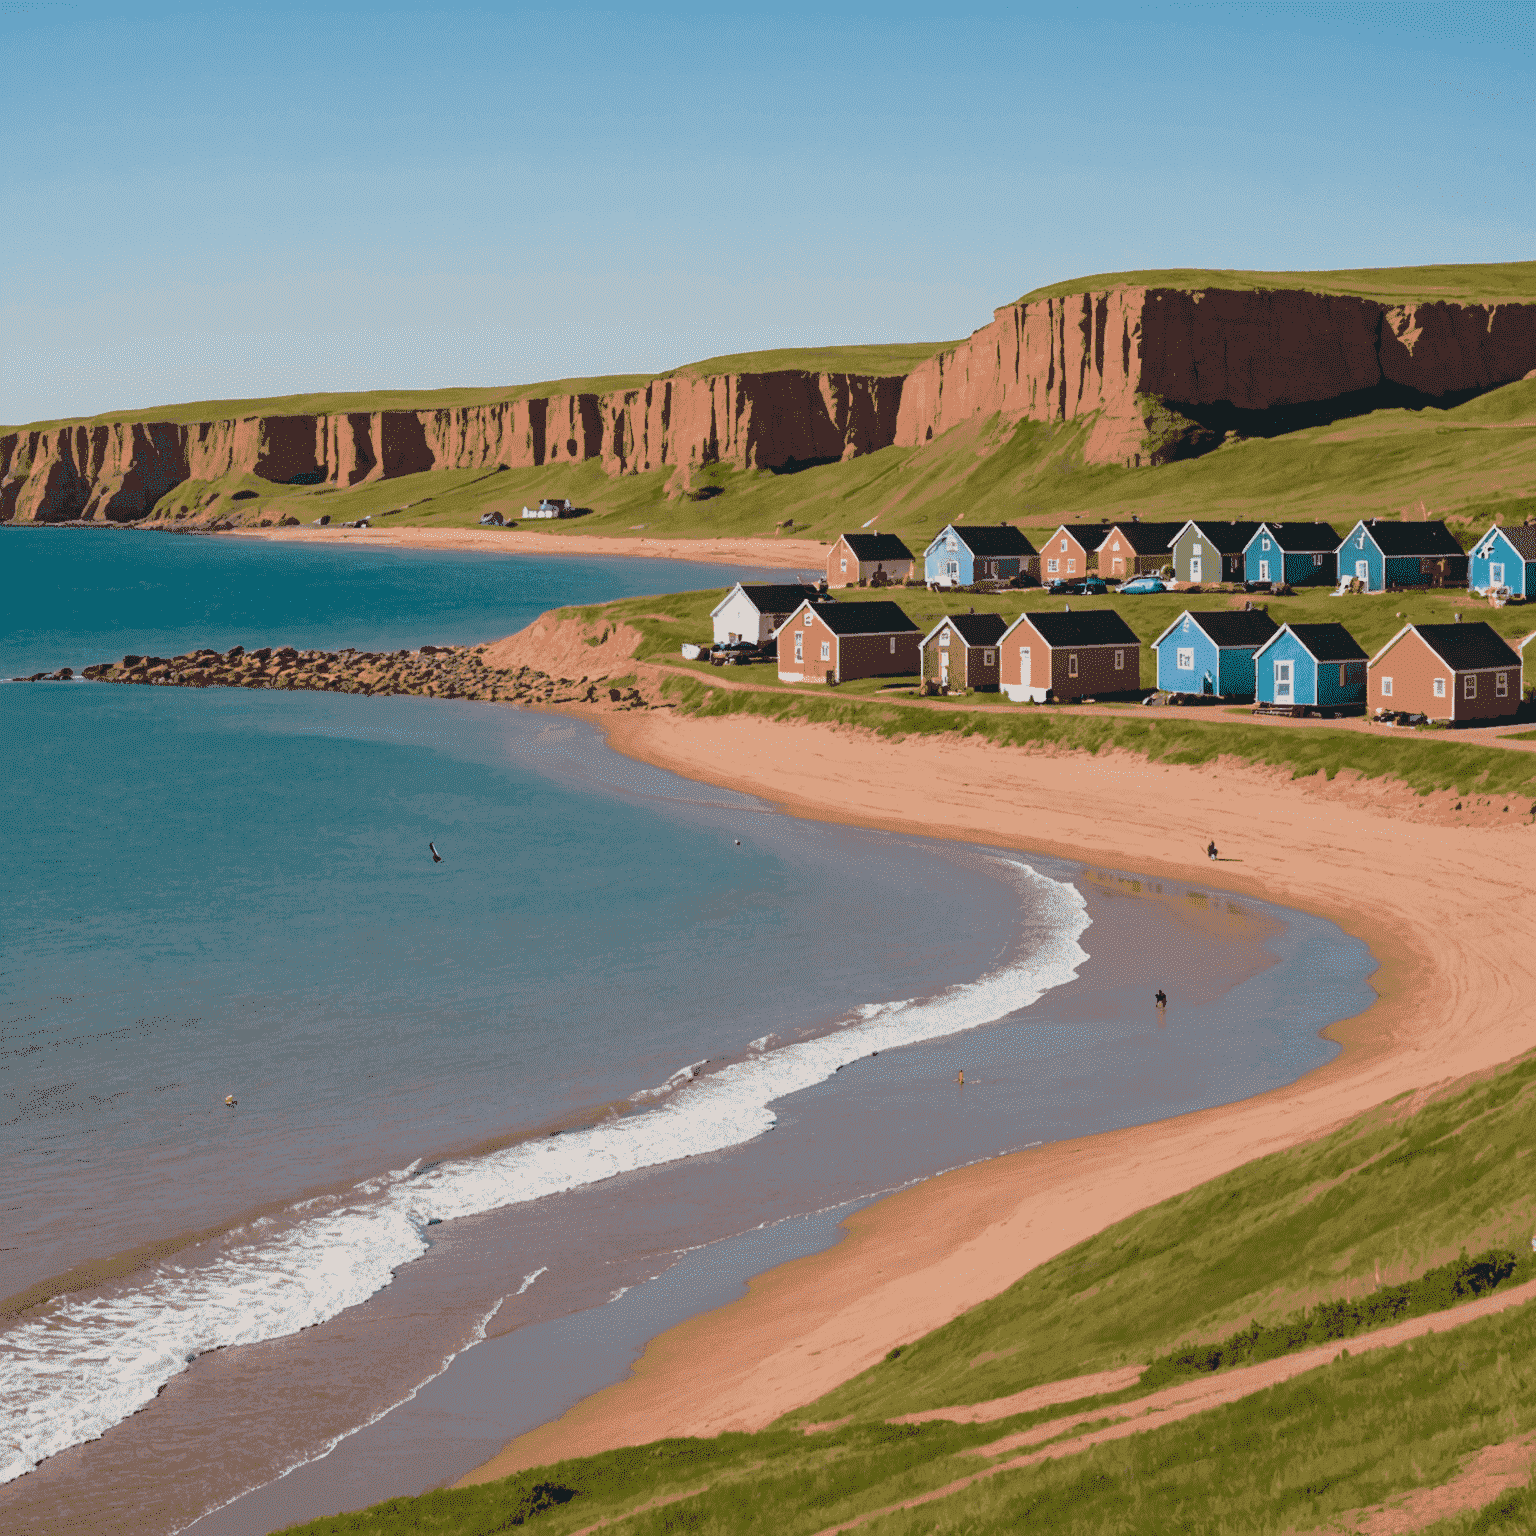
(434, 672)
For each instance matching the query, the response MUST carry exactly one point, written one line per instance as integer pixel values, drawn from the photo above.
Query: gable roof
(1521, 538)
(973, 628)
(1226, 538)
(877, 618)
(1089, 535)
(877, 546)
(1322, 642)
(1300, 538)
(769, 598)
(993, 539)
(1467, 647)
(1228, 629)
(1144, 538)
(1408, 539)
(1097, 626)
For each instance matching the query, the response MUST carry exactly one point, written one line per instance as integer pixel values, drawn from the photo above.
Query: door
(1363, 572)
(1263, 570)
(1495, 575)
(1025, 677)
(1284, 691)
(944, 668)
(1194, 568)
(952, 571)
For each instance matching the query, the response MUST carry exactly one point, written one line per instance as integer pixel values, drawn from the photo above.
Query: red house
(838, 642)
(1067, 554)
(1068, 656)
(1464, 673)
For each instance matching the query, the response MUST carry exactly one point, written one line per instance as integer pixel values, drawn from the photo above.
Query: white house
(753, 613)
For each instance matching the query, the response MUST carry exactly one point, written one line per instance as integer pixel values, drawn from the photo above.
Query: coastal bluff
(1155, 372)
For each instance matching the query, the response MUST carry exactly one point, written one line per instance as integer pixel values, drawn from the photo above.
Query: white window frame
(826, 650)
(944, 638)
(1285, 681)
(1263, 543)
(1072, 664)
(1439, 687)
(1469, 686)
(989, 658)
(1071, 566)
(799, 645)
(1386, 687)
(1501, 685)
(807, 621)
(893, 645)
(842, 565)
(1063, 546)
(1184, 660)
(1195, 551)
(1496, 574)
(1120, 661)
(1052, 567)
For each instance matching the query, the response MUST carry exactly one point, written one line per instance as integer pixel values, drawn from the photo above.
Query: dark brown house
(1068, 656)
(837, 642)
(960, 652)
(1464, 673)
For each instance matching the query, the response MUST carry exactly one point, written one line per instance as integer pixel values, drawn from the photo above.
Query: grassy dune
(1404, 1187)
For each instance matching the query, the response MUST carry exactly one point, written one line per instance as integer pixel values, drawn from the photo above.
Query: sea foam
(93, 1361)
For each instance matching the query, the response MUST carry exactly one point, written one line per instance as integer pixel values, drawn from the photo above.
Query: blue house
(1298, 554)
(1385, 555)
(1505, 557)
(1211, 651)
(1317, 666)
(960, 557)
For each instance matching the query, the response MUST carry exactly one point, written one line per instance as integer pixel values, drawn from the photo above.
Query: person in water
(1162, 999)
(961, 1078)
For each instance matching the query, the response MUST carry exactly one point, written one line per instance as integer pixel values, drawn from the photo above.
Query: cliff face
(755, 421)
(1156, 373)
(1220, 359)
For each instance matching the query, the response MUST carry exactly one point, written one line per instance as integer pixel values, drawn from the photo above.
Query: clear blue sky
(210, 203)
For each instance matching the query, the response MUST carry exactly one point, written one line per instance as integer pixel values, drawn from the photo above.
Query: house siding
(844, 568)
(1096, 670)
(1303, 672)
(1495, 549)
(1063, 559)
(939, 557)
(1118, 559)
(1257, 559)
(967, 663)
(871, 656)
(1214, 566)
(1206, 658)
(1318, 569)
(1413, 667)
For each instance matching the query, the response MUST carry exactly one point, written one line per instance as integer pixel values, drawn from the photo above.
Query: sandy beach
(1445, 908)
(787, 553)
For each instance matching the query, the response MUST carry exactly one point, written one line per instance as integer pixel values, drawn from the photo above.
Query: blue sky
(206, 202)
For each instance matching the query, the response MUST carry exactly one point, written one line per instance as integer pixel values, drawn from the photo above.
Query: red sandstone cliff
(1157, 373)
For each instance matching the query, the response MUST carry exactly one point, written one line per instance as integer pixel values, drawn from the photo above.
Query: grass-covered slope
(1404, 1187)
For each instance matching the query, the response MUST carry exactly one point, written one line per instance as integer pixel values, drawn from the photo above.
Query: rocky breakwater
(435, 671)
(119, 470)
(1165, 373)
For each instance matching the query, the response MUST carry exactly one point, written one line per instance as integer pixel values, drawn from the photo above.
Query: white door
(1495, 575)
(952, 571)
(944, 668)
(1284, 694)
(1263, 570)
(1024, 673)
(1194, 568)
(1363, 571)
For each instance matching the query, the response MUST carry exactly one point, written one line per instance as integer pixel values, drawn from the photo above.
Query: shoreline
(1441, 909)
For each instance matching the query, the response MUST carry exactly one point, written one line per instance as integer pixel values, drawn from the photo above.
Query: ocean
(511, 1092)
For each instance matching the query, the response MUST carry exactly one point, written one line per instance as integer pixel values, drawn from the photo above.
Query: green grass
(1502, 282)
(880, 360)
(1403, 1185)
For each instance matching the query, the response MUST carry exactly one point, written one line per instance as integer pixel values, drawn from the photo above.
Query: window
(1052, 566)
(1119, 661)
(1386, 687)
(826, 650)
(1186, 658)
(807, 621)
(1196, 551)
(893, 645)
(1263, 543)
(1117, 546)
(1469, 686)
(989, 659)
(1071, 566)
(799, 646)
(944, 638)
(1063, 546)
(952, 543)
(842, 564)
(1501, 685)
(1072, 665)
(1439, 687)
(1317, 559)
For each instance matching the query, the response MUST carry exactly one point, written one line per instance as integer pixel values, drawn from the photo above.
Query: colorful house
(1504, 557)
(961, 651)
(1210, 551)
(753, 611)
(1068, 656)
(838, 642)
(1211, 651)
(1136, 549)
(873, 559)
(1385, 555)
(1465, 673)
(960, 557)
(1292, 554)
(1069, 551)
(1313, 666)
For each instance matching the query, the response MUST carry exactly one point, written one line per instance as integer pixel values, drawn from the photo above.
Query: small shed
(1296, 554)
(1210, 551)
(961, 651)
(752, 611)
(1068, 656)
(1311, 666)
(873, 559)
(1387, 554)
(551, 506)
(1068, 553)
(838, 642)
(1465, 673)
(1136, 549)
(1211, 651)
(1505, 557)
(960, 557)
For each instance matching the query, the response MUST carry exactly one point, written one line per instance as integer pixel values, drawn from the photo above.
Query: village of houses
(1460, 672)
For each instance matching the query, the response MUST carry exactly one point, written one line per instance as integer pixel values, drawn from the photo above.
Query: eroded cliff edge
(1158, 373)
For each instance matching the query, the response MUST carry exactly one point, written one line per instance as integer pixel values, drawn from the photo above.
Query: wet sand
(1447, 910)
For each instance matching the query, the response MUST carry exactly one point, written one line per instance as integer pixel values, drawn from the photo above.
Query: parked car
(1062, 589)
(1139, 585)
(1093, 586)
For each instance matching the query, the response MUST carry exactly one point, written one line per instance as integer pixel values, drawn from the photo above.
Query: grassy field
(882, 361)
(1404, 1187)
(1505, 282)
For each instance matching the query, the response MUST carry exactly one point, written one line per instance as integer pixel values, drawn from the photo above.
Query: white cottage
(753, 612)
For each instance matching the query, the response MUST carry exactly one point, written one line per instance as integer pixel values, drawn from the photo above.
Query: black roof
(877, 618)
(1089, 535)
(1098, 626)
(996, 539)
(1522, 536)
(877, 546)
(1328, 642)
(1468, 647)
(1229, 538)
(976, 628)
(767, 598)
(1234, 628)
(1302, 538)
(1145, 538)
(1394, 538)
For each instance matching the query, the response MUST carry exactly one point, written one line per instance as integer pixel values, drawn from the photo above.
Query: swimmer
(231, 1100)
(961, 1078)
(1162, 999)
